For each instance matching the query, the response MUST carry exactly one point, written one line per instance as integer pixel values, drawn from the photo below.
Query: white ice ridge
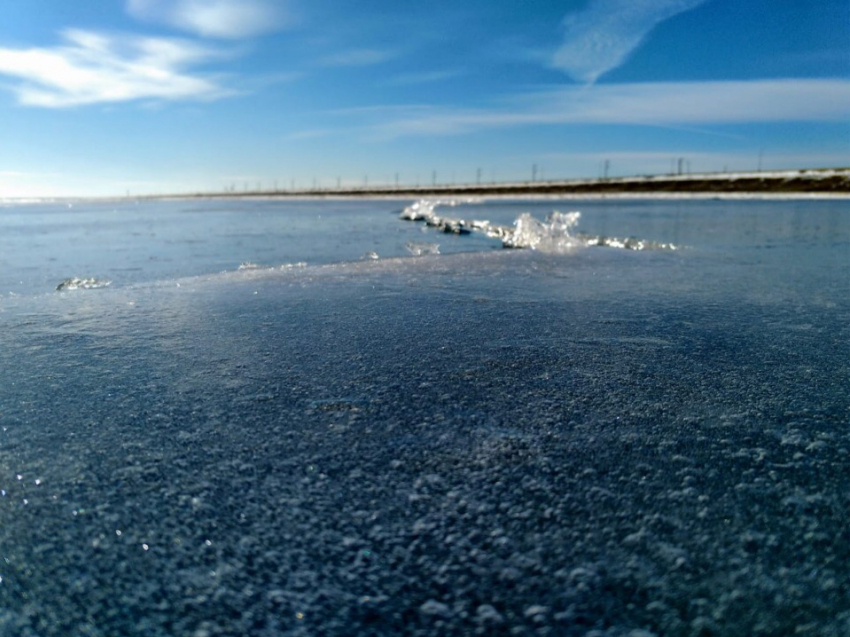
(554, 235)
(423, 210)
(77, 283)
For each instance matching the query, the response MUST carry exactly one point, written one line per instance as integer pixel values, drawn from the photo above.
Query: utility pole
(761, 156)
(533, 173)
(396, 180)
(681, 162)
(433, 177)
(478, 177)
(607, 166)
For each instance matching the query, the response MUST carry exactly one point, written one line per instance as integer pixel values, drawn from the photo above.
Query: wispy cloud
(602, 36)
(654, 104)
(357, 57)
(93, 68)
(231, 19)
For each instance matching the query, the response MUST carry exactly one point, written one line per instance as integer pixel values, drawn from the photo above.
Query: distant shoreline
(814, 181)
(819, 183)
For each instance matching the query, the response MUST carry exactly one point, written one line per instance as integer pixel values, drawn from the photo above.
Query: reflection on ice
(293, 266)
(286, 266)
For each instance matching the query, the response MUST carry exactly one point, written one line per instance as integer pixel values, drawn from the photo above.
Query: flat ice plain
(600, 443)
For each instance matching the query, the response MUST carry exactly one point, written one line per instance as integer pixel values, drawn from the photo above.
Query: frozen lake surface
(572, 440)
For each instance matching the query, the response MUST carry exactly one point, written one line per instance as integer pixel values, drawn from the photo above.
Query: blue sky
(145, 96)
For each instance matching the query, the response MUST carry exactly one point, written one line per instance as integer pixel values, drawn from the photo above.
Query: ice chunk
(552, 235)
(418, 248)
(77, 283)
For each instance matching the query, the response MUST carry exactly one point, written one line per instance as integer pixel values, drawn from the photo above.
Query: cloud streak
(602, 36)
(228, 19)
(92, 68)
(652, 104)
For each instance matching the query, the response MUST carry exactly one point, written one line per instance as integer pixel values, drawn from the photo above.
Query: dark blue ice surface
(598, 442)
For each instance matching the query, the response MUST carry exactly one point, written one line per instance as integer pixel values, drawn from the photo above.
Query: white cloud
(654, 104)
(230, 19)
(601, 37)
(95, 68)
